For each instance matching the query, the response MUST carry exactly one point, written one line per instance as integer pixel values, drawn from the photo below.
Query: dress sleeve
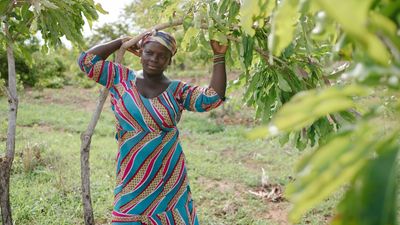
(198, 99)
(102, 71)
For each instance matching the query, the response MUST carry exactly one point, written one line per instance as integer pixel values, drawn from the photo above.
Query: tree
(307, 67)
(20, 20)
(108, 32)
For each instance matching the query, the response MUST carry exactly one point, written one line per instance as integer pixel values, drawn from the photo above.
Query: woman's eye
(147, 52)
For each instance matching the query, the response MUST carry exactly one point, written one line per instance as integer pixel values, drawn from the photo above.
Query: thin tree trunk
(86, 136)
(7, 160)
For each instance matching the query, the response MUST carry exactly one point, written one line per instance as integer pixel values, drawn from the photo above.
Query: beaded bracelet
(219, 56)
(219, 62)
(219, 59)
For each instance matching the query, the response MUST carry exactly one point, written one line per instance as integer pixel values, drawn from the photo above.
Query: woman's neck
(154, 78)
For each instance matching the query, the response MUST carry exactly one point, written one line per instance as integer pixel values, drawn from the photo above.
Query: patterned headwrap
(161, 37)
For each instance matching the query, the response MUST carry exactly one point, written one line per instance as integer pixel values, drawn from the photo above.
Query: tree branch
(136, 39)
(6, 91)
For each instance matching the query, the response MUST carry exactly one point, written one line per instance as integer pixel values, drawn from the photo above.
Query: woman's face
(155, 58)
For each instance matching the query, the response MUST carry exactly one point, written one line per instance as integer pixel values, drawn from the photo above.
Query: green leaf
(233, 12)
(100, 9)
(306, 107)
(45, 49)
(187, 22)
(218, 36)
(354, 22)
(25, 53)
(247, 47)
(284, 23)
(190, 34)
(329, 167)
(4, 4)
(382, 24)
(197, 18)
(371, 200)
(248, 10)
(269, 7)
(223, 5)
(283, 84)
(254, 10)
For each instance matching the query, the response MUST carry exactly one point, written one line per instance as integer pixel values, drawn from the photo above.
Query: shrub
(21, 68)
(47, 70)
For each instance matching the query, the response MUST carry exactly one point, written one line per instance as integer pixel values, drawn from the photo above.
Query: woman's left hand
(218, 48)
(134, 48)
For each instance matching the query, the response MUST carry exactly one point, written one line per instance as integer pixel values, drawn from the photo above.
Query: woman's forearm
(106, 49)
(218, 79)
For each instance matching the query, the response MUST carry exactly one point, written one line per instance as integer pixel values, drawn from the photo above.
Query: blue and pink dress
(151, 179)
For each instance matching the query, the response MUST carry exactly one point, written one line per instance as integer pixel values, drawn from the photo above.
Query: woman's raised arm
(218, 79)
(106, 49)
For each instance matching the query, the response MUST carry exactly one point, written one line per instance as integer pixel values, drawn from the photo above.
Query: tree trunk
(86, 137)
(4, 190)
(7, 160)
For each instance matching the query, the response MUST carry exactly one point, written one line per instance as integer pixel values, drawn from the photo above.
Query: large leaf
(283, 84)
(355, 22)
(190, 34)
(329, 167)
(308, 106)
(247, 48)
(371, 199)
(382, 24)
(248, 9)
(283, 26)
(253, 11)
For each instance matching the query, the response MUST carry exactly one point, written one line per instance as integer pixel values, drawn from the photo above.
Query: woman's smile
(153, 67)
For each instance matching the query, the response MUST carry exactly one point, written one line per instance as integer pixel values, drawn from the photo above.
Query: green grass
(222, 164)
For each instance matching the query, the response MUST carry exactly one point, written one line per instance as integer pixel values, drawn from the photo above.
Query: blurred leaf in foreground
(345, 157)
(307, 107)
(371, 199)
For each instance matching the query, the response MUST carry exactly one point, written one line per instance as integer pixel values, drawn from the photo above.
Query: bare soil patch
(277, 212)
(80, 98)
(271, 195)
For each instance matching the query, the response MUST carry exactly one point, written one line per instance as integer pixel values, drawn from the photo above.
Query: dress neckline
(155, 97)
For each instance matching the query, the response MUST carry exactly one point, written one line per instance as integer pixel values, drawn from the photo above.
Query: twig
(6, 91)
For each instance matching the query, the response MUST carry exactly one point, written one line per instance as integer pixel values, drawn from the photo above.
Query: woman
(152, 185)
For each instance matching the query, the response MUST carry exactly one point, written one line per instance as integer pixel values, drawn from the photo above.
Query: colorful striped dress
(151, 178)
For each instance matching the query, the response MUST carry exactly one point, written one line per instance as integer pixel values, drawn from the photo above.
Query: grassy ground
(224, 167)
